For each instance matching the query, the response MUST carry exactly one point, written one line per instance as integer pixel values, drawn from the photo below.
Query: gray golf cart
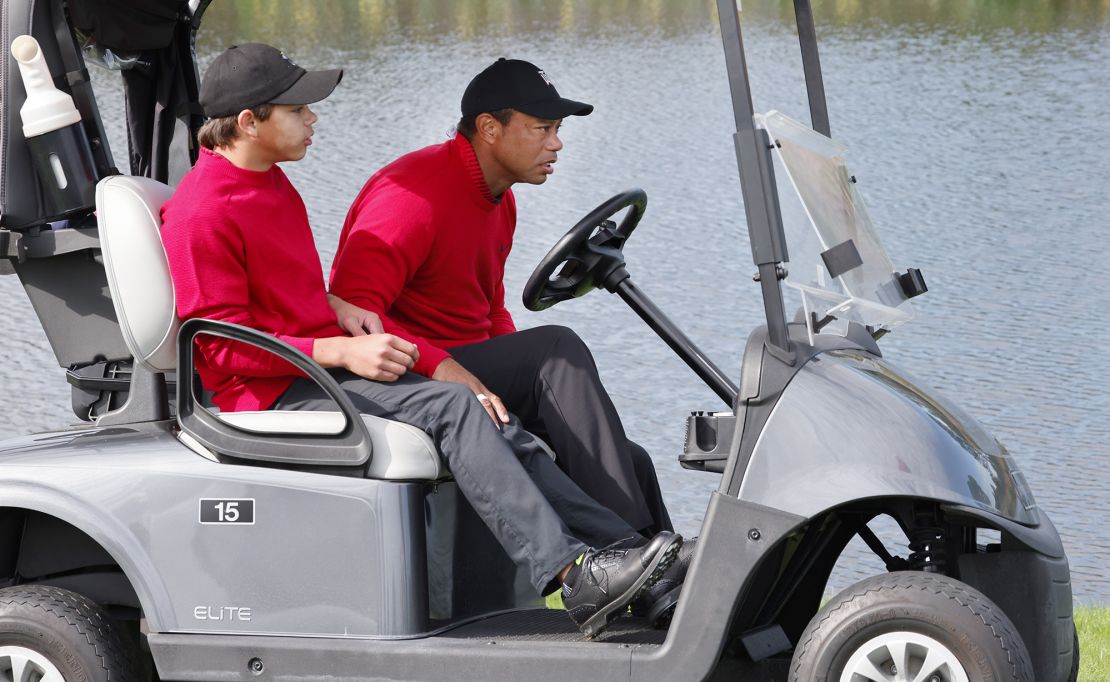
(161, 540)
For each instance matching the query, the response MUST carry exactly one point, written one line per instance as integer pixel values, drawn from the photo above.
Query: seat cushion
(401, 452)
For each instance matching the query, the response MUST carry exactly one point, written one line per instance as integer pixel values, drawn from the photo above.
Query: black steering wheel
(591, 254)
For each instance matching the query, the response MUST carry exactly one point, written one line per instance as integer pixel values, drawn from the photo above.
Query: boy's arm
(207, 263)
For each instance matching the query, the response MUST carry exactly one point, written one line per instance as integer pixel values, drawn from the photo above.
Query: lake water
(979, 133)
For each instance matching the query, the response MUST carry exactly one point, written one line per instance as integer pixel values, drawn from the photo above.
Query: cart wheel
(910, 626)
(1074, 654)
(50, 634)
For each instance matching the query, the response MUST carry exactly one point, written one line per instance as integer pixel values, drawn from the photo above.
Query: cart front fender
(850, 426)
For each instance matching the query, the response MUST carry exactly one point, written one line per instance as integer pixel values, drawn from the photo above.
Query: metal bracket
(17, 247)
(146, 400)
(12, 250)
(49, 243)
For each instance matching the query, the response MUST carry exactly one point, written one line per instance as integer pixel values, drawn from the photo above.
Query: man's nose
(312, 117)
(554, 143)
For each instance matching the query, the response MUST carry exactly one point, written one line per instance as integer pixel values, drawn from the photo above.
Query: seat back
(129, 216)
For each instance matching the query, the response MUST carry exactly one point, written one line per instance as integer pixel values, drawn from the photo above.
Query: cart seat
(129, 218)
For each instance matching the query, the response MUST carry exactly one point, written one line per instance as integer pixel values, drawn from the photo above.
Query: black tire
(69, 630)
(1074, 654)
(955, 616)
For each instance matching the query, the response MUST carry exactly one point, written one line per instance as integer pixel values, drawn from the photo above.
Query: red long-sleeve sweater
(240, 249)
(424, 246)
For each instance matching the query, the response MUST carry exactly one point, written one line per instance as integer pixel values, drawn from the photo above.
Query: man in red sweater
(240, 249)
(424, 246)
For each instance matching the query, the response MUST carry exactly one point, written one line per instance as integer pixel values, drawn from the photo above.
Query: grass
(1094, 643)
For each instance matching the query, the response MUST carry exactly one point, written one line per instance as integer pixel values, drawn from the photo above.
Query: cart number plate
(227, 511)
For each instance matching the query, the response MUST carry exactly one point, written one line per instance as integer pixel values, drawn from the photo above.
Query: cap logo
(545, 78)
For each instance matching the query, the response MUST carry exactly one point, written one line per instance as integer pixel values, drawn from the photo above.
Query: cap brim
(553, 109)
(312, 87)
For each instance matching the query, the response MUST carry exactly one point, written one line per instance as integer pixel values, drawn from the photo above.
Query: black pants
(541, 519)
(547, 377)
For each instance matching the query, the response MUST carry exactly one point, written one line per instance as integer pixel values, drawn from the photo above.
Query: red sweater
(240, 249)
(424, 246)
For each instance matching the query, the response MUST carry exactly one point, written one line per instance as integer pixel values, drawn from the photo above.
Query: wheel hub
(903, 657)
(20, 664)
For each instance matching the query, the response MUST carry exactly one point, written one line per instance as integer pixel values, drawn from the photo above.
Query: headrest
(129, 217)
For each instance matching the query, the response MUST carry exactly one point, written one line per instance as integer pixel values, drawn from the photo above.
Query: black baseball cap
(517, 84)
(247, 75)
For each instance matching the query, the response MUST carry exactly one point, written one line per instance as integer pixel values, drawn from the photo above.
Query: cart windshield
(836, 261)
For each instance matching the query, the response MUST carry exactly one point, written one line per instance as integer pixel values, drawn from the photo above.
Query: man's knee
(563, 341)
(642, 462)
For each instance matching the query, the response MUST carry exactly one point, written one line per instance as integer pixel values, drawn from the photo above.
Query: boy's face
(286, 134)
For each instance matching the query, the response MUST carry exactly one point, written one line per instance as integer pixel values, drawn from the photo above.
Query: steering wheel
(591, 253)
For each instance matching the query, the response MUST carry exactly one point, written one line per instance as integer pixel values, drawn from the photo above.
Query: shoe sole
(662, 611)
(595, 624)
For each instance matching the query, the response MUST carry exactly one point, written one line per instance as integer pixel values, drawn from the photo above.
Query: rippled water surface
(979, 132)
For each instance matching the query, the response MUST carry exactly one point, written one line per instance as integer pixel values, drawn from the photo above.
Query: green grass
(1094, 643)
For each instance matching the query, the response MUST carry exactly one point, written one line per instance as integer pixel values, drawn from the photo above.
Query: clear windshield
(836, 261)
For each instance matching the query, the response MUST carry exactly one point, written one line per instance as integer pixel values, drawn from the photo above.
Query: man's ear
(488, 128)
(248, 124)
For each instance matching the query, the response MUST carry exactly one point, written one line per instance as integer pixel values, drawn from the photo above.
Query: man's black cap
(516, 84)
(245, 76)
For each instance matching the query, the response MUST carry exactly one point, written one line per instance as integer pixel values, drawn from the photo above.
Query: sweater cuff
(430, 357)
(301, 343)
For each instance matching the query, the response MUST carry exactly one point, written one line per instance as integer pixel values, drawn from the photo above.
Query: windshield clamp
(781, 273)
(912, 283)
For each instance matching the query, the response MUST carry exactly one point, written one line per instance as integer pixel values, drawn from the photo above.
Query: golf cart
(163, 540)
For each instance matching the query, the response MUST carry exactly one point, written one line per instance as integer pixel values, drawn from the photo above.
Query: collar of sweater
(222, 165)
(464, 152)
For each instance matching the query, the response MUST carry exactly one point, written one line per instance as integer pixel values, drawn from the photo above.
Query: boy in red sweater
(240, 249)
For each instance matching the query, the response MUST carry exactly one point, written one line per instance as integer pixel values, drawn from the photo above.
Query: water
(978, 131)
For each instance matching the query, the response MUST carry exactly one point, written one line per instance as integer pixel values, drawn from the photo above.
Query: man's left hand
(353, 320)
(451, 370)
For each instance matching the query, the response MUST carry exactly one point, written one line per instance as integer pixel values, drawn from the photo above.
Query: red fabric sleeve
(379, 252)
(501, 322)
(210, 280)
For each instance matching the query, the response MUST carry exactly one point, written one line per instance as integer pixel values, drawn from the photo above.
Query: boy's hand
(379, 357)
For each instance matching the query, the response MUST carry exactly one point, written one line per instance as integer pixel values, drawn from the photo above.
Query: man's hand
(379, 357)
(451, 370)
(354, 320)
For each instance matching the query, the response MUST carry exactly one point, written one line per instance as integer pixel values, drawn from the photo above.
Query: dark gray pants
(542, 520)
(548, 378)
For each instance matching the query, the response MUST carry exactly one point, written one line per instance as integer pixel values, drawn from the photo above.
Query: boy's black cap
(517, 84)
(245, 76)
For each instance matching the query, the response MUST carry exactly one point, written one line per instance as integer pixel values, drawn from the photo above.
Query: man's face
(527, 148)
(286, 134)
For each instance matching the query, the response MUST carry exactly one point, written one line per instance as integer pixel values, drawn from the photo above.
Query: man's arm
(385, 240)
(501, 322)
